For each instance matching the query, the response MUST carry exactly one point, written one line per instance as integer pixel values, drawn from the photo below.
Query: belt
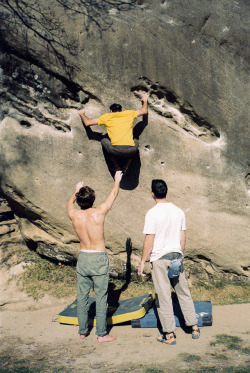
(171, 256)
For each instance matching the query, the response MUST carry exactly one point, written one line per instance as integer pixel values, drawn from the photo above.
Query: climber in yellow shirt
(119, 124)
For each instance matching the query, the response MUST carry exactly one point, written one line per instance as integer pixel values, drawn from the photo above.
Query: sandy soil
(30, 331)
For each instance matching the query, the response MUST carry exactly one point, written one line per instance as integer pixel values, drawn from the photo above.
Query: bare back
(89, 223)
(89, 227)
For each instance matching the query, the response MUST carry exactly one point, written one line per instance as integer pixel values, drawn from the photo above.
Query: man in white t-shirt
(165, 229)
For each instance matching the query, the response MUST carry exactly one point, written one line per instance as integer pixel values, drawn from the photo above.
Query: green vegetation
(8, 364)
(134, 289)
(203, 370)
(57, 279)
(22, 366)
(237, 370)
(246, 351)
(188, 358)
(221, 357)
(42, 276)
(210, 369)
(222, 293)
(231, 342)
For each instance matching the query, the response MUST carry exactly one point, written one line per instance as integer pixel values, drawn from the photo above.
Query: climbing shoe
(196, 333)
(163, 339)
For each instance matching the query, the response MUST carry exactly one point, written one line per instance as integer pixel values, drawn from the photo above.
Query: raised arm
(106, 206)
(144, 108)
(70, 205)
(147, 248)
(86, 120)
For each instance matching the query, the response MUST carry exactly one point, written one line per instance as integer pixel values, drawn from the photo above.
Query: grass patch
(7, 365)
(231, 369)
(42, 277)
(202, 370)
(133, 289)
(25, 369)
(210, 369)
(246, 351)
(188, 358)
(237, 370)
(17, 366)
(222, 293)
(152, 370)
(221, 357)
(231, 342)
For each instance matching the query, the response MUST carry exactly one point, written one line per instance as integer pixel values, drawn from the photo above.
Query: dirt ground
(30, 332)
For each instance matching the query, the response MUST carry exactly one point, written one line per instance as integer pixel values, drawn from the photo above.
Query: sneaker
(196, 333)
(171, 341)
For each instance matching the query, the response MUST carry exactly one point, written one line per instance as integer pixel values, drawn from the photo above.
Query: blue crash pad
(203, 311)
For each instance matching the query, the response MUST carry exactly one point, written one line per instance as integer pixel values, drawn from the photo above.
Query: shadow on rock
(114, 293)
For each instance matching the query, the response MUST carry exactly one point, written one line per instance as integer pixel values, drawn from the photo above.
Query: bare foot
(106, 338)
(83, 336)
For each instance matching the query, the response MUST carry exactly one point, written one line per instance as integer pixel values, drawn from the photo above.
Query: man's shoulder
(170, 206)
(105, 115)
(177, 209)
(77, 216)
(152, 210)
(101, 119)
(130, 112)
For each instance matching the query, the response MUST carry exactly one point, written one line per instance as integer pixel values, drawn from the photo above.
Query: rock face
(191, 57)
(11, 240)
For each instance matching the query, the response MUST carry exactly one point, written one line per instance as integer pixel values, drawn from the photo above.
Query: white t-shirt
(165, 221)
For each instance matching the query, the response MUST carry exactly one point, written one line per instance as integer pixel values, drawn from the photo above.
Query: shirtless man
(93, 263)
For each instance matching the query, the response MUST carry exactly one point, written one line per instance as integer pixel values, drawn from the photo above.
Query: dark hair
(85, 197)
(115, 108)
(159, 188)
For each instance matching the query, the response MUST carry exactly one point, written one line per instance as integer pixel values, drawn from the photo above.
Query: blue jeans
(92, 270)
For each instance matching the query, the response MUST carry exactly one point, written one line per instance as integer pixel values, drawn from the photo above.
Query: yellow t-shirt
(119, 126)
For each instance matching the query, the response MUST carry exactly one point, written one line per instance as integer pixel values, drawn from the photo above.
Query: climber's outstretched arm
(86, 120)
(144, 108)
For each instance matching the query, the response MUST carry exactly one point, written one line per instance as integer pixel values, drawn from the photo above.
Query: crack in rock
(165, 103)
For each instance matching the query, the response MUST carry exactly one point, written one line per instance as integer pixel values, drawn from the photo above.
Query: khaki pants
(162, 285)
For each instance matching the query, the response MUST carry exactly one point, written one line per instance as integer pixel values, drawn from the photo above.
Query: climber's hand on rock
(79, 186)
(144, 97)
